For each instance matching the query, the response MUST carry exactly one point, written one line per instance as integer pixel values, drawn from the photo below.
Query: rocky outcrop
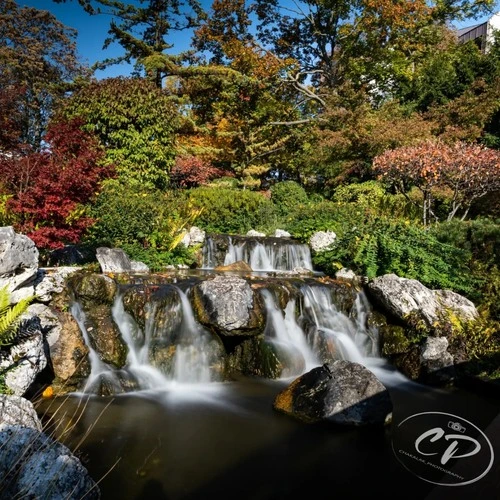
(32, 464)
(342, 392)
(408, 300)
(18, 263)
(25, 359)
(52, 282)
(229, 305)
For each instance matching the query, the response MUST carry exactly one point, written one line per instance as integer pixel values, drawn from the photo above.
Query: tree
(468, 171)
(190, 171)
(134, 121)
(51, 188)
(38, 61)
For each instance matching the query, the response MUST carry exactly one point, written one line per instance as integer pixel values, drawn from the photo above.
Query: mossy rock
(93, 288)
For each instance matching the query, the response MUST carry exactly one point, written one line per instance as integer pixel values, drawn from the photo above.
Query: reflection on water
(225, 439)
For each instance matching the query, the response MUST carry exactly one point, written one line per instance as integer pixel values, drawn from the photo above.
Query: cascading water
(262, 254)
(283, 331)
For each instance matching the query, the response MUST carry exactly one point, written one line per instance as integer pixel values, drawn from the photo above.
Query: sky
(92, 31)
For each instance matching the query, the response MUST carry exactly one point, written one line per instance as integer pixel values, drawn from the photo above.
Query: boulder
(254, 233)
(195, 236)
(281, 233)
(24, 361)
(51, 282)
(342, 392)
(33, 465)
(18, 263)
(115, 260)
(238, 266)
(322, 240)
(228, 304)
(411, 302)
(16, 410)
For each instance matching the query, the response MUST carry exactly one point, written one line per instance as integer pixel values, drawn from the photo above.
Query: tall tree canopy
(38, 60)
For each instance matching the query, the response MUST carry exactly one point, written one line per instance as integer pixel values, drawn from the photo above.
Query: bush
(380, 246)
(287, 195)
(230, 211)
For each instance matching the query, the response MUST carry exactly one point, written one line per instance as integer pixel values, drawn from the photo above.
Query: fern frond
(10, 318)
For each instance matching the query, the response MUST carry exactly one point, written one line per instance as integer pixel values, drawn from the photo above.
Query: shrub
(287, 195)
(231, 211)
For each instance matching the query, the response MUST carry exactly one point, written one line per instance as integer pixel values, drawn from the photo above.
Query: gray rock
(115, 260)
(435, 360)
(18, 259)
(346, 274)
(195, 236)
(33, 465)
(403, 297)
(342, 391)
(230, 300)
(322, 240)
(281, 233)
(16, 410)
(254, 233)
(52, 281)
(25, 359)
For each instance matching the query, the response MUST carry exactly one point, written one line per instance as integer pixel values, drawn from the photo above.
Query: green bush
(381, 245)
(287, 195)
(231, 211)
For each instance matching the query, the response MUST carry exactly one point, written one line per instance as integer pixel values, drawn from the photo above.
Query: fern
(10, 316)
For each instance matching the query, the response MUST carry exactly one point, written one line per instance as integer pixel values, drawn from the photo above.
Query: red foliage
(469, 171)
(191, 171)
(50, 187)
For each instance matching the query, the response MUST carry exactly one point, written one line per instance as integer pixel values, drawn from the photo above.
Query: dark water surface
(227, 442)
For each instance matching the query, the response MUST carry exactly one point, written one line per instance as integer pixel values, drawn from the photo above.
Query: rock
(33, 464)
(25, 359)
(227, 303)
(18, 260)
(408, 300)
(93, 289)
(68, 352)
(254, 233)
(342, 391)
(18, 411)
(346, 274)
(280, 233)
(115, 260)
(70, 255)
(322, 240)
(435, 361)
(238, 266)
(52, 282)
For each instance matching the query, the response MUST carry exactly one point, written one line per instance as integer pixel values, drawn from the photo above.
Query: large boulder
(342, 391)
(18, 263)
(409, 301)
(52, 282)
(33, 465)
(322, 240)
(228, 304)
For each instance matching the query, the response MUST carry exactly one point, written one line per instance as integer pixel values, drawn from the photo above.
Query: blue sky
(92, 31)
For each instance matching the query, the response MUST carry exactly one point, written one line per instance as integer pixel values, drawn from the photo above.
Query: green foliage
(287, 195)
(10, 316)
(379, 245)
(146, 223)
(230, 211)
(135, 121)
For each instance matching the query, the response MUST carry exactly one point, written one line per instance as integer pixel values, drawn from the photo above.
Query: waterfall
(349, 335)
(283, 331)
(261, 254)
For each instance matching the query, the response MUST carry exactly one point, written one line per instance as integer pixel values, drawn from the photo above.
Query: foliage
(50, 189)
(10, 315)
(381, 245)
(191, 171)
(230, 211)
(469, 171)
(287, 195)
(147, 224)
(38, 60)
(135, 121)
